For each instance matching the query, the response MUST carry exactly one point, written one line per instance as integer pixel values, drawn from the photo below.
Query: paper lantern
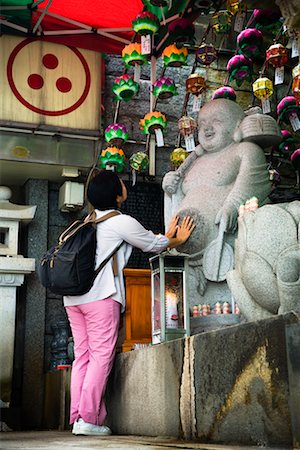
(164, 88)
(266, 19)
(139, 162)
(277, 55)
(174, 56)
(152, 121)
(125, 88)
(132, 54)
(262, 88)
(235, 6)
(177, 156)
(112, 158)
(296, 82)
(240, 69)
(250, 42)
(187, 125)
(288, 110)
(225, 92)
(195, 84)
(206, 54)
(116, 134)
(182, 30)
(145, 23)
(221, 22)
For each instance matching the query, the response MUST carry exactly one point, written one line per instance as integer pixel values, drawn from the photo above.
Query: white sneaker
(88, 429)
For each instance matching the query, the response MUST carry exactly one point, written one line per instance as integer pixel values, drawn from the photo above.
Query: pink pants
(95, 328)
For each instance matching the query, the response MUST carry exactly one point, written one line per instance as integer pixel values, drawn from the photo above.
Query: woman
(94, 317)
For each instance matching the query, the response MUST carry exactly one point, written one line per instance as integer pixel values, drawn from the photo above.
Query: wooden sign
(49, 84)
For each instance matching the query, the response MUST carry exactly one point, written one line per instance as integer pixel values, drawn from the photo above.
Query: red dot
(50, 61)
(35, 81)
(63, 84)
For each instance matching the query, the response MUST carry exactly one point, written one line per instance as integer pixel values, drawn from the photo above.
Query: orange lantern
(174, 56)
(277, 55)
(195, 84)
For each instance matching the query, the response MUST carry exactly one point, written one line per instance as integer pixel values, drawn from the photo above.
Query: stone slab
(226, 386)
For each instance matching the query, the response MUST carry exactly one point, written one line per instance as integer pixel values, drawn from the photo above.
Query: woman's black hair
(103, 189)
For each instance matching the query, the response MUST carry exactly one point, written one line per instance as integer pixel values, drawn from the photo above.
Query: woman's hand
(171, 231)
(185, 229)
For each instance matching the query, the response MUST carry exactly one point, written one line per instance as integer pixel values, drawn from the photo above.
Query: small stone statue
(226, 169)
(266, 278)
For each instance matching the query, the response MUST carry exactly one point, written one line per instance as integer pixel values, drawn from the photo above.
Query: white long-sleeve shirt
(110, 234)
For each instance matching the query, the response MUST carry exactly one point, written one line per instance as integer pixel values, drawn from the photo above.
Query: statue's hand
(170, 182)
(229, 218)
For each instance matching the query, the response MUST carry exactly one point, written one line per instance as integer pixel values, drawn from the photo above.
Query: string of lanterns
(240, 69)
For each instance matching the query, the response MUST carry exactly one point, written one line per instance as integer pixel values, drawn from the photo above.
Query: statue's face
(215, 128)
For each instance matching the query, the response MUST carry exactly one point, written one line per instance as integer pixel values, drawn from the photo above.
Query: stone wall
(228, 386)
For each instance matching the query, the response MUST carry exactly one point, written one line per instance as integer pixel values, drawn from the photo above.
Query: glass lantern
(170, 308)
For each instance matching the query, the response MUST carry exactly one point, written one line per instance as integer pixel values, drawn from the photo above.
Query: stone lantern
(13, 267)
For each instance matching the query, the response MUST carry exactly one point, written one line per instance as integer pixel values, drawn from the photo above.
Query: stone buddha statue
(227, 168)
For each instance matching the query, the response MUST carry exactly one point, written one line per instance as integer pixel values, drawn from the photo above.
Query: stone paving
(56, 440)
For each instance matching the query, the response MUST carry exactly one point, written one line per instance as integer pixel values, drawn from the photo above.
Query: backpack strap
(91, 218)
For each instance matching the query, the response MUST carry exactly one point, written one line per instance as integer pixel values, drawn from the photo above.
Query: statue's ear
(238, 134)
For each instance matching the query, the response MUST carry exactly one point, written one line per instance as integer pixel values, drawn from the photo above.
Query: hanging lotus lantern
(132, 55)
(221, 22)
(250, 42)
(182, 30)
(139, 162)
(152, 121)
(145, 23)
(174, 56)
(164, 88)
(112, 158)
(288, 110)
(266, 19)
(296, 82)
(116, 134)
(125, 87)
(235, 6)
(206, 54)
(240, 69)
(263, 89)
(177, 156)
(187, 127)
(225, 92)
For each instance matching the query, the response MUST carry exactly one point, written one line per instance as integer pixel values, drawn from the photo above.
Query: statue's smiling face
(217, 121)
(215, 129)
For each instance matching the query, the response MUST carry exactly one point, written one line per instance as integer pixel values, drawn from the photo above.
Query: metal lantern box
(170, 308)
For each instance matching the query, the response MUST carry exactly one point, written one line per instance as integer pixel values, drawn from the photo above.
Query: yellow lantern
(262, 88)
(235, 6)
(296, 82)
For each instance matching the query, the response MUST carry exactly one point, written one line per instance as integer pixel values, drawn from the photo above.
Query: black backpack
(69, 267)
